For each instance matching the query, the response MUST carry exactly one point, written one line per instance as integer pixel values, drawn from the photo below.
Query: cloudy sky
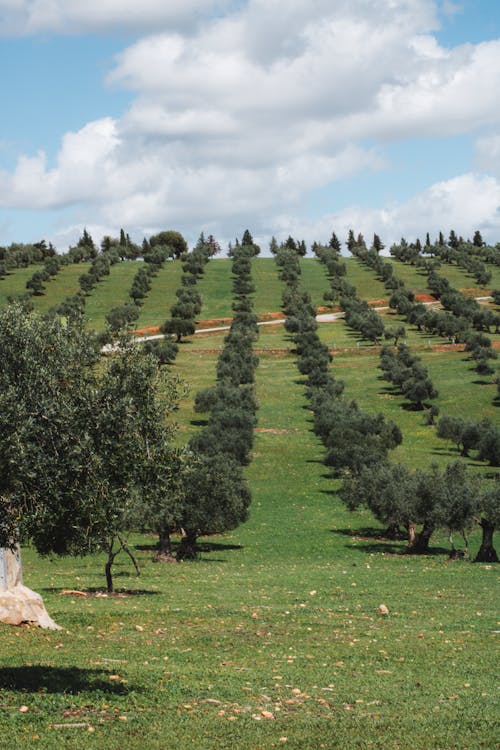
(284, 116)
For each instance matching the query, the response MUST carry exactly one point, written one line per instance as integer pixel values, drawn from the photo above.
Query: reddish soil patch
(213, 322)
(271, 316)
(322, 309)
(447, 347)
(472, 292)
(425, 298)
(150, 330)
(378, 303)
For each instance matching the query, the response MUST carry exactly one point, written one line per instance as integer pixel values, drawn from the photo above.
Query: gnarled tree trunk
(419, 543)
(187, 547)
(164, 552)
(487, 552)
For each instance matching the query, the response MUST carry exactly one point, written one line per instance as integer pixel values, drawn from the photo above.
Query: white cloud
(75, 16)
(84, 161)
(237, 119)
(464, 203)
(488, 154)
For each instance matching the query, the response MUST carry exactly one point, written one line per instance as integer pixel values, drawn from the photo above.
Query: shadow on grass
(101, 591)
(445, 452)
(330, 493)
(373, 540)
(416, 408)
(216, 546)
(200, 546)
(68, 680)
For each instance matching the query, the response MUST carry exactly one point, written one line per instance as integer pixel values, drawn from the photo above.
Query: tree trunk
(164, 551)
(164, 542)
(124, 546)
(109, 563)
(109, 578)
(420, 543)
(487, 552)
(393, 532)
(187, 547)
(412, 532)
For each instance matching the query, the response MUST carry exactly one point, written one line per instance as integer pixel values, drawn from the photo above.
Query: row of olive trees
(419, 502)
(352, 438)
(224, 445)
(451, 499)
(188, 305)
(455, 322)
(410, 377)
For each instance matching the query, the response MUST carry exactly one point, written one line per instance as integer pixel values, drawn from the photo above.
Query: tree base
(164, 557)
(20, 604)
(487, 555)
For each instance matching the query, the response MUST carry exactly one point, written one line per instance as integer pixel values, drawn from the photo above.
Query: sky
(286, 117)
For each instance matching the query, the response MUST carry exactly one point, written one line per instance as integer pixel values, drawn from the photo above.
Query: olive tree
(82, 447)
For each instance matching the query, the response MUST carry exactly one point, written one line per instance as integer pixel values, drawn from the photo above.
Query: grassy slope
(268, 287)
(215, 289)
(15, 282)
(278, 616)
(367, 285)
(111, 291)
(314, 279)
(65, 284)
(161, 296)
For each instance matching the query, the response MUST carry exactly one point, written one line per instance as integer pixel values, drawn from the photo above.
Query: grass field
(273, 637)
(161, 296)
(111, 291)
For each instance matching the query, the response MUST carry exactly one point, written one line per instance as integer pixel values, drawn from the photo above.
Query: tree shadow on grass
(216, 546)
(330, 493)
(201, 546)
(67, 680)
(381, 544)
(318, 461)
(102, 591)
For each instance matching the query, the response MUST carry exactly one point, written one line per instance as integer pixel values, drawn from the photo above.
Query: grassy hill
(273, 638)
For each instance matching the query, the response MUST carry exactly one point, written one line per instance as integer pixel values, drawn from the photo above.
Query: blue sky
(298, 117)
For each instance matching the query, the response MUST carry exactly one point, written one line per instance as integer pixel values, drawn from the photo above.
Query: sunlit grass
(273, 638)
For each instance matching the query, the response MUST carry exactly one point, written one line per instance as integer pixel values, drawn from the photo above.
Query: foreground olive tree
(83, 443)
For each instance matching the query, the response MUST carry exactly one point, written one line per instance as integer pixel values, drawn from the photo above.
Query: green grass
(268, 287)
(156, 308)
(364, 279)
(495, 275)
(413, 277)
(15, 282)
(314, 278)
(459, 394)
(65, 284)
(215, 289)
(279, 617)
(111, 291)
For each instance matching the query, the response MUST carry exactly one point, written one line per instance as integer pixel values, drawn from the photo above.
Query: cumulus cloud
(238, 119)
(85, 159)
(76, 17)
(488, 154)
(465, 203)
